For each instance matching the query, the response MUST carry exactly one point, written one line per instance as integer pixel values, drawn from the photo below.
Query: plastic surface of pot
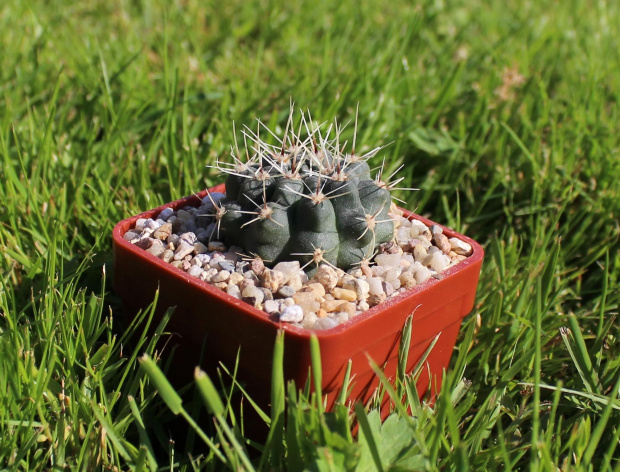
(210, 321)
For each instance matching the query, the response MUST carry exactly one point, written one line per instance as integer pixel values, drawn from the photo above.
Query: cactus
(304, 200)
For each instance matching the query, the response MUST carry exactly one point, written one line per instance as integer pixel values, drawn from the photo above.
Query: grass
(505, 116)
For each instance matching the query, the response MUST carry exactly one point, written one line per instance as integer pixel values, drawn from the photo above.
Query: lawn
(505, 116)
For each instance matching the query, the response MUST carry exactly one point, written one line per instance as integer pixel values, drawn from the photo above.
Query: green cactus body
(315, 206)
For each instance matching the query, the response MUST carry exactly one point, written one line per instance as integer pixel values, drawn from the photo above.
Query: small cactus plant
(304, 200)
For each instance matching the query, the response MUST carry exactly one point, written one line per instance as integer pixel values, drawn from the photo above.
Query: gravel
(186, 239)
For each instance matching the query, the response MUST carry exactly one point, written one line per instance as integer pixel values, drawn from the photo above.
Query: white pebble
(417, 228)
(151, 224)
(357, 272)
(422, 275)
(325, 323)
(395, 283)
(221, 276)
(439, 261)
(271, 306)
(393, 274)
(140, 224)
(209, 274)
(403, 234)
(309, 320)
(388, 288)
(288, 269)
(460, 247)
(195, 271)
(374, 286)
(292, 314)
(388, 260)
(378, 270)
(234, 291)
(183, 250)
(362, 289)
(188, 237)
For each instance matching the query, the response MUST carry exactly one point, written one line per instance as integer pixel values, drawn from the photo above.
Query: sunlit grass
(506, 118)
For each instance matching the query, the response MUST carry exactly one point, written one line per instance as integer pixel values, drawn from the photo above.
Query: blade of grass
(362, 420)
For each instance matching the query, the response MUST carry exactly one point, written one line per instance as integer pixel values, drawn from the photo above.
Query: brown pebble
(333, 305)
(309, 306)
(271, 279)
(163, 231)
(407, 280)
(374, 300)
(390, 248)
(366, 270)
(167, 255)
(220, 285)
(217, 246)
(307, 301)
(235, 278)
(321, 313)
(326, 276)
(257, 266)
(349, 308)
(344, 294)
(295, 282)
(267, 293)
(200, 248)
(245, 283)
(315, 288)
(303, 296)
(441, 241)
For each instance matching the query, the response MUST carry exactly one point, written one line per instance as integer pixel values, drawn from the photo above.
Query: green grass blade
(144, 437)
(362, 420)
(317, 370)
(211, 398)
(165, 389)
(601, 424)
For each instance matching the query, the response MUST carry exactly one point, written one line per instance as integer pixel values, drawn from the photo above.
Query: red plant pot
(211, 322)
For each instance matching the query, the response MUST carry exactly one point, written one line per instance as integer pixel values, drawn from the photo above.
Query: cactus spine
(304, 200)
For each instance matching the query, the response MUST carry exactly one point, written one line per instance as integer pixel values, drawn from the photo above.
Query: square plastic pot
(212, 326)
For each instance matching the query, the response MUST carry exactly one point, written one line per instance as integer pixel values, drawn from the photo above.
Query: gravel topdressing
(187, 239)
